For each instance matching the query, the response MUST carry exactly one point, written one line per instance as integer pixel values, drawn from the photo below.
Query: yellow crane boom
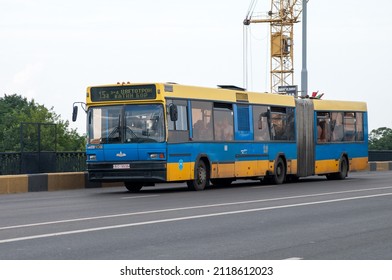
(282, 17)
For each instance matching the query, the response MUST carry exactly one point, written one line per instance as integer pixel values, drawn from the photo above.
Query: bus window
(282, 124)
(223, 122)
(144, 123)
(182, 121)
(260, 123)
(323, 127)
(104, 124)
(178, 130)
(337, 130)
(243, 118)
(359, 126)
(290, 124)
(201, 121)
(349, 127)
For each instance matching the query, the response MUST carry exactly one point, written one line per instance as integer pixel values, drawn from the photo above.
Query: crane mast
(282, 17)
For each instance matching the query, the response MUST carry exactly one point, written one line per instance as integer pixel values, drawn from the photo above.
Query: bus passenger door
(246, 154)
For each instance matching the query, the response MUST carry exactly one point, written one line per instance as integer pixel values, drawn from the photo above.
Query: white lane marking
(189, 218)
(142, 196)
(186, 208)
(293, 259)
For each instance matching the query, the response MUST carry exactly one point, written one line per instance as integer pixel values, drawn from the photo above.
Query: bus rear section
(332, 137)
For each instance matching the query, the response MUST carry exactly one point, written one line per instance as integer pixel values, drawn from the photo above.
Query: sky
(51, 50)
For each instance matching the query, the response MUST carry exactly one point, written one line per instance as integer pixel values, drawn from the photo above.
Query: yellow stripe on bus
(180, 172)
(241, 169)
(357, 164)
(332, 165)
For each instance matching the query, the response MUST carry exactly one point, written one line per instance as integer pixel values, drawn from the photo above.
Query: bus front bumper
(149, 172)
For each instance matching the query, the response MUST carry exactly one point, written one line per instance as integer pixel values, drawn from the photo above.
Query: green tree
(380, 139)
(15, 109)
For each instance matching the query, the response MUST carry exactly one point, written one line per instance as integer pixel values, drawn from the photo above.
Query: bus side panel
(332, 165)
(288, 151)
(329, 154)
(229, 160)
(179, 163)
(225, 170)
(263, 166)
(246, 168)
(326, 166)
(292, 166)
(180, 171)
(357, 164)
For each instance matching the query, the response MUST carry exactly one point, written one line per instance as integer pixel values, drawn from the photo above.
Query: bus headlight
(92, 157)
(157, 156)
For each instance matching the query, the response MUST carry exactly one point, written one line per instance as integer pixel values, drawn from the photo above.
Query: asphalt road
(312, 219)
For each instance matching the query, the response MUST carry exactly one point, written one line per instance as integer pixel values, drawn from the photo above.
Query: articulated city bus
(142, 134)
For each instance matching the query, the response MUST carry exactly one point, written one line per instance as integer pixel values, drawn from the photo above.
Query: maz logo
(121, 154)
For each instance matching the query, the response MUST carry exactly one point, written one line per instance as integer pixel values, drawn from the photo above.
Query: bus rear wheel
(133, 187)
(201, 177)
(279, 175)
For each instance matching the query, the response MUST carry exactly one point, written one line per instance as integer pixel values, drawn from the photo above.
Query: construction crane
(282, 17)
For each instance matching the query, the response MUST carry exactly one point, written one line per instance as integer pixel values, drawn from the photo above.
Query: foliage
(380, 139)
(37, 122)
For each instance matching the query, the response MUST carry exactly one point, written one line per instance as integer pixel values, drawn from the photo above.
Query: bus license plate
(121, 166)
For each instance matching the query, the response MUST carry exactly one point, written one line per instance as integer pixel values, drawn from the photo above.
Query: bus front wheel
(133, 187)
(201, 177)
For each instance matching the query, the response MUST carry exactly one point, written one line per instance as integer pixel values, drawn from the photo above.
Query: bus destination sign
(123, 93)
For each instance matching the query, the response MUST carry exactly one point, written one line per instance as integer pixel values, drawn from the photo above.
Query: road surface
(312, 219)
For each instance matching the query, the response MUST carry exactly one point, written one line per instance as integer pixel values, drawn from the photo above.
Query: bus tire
(201, 177)
(133, 187)
(343, 170)
(279, 175)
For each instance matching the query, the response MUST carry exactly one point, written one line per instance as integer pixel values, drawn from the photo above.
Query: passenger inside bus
(202, 131)
(321, 132)
(337, 127)
(227, 130)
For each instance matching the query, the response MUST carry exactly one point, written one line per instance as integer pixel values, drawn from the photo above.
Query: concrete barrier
(66, 181)
(48, 182)
(79, 180)
(380, 166)
(14, 184)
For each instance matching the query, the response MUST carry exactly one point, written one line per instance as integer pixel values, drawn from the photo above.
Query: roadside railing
(12, 163)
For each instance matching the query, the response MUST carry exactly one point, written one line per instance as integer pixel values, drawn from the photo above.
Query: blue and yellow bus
(142, 134)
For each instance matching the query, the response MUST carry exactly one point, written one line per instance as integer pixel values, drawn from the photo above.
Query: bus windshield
(126, 124)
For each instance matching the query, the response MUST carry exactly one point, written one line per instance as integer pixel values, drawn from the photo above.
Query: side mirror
(260, 122)
(173, 111)
(75, 113)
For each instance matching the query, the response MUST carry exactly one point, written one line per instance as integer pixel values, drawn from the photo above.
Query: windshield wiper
(111, 137)
(134, 137)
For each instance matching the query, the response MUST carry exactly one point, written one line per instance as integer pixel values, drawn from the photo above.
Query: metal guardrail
(380, 156)
(70, 161)
(18, 163)
(10, 163)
